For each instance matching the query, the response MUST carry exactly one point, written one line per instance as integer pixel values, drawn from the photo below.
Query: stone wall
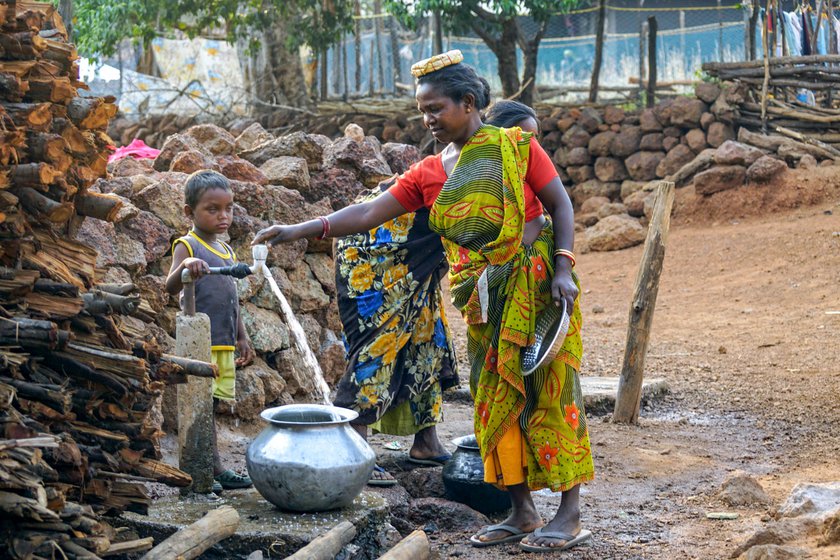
(283, 179)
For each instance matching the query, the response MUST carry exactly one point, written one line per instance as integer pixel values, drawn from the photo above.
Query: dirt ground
(742, 335)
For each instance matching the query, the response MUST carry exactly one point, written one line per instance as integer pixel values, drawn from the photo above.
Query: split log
(704, 160)
(12, 88)
(161, 472)
(54, 396)
(414, 547)
(792, 147)
(56, 90)
(41, 206)
(90, 112)
(96, 205)
(191, 541)
(54, 308)
(328, 545)
(98, 302)
(37, 175)
(50, 148)
(22, 45)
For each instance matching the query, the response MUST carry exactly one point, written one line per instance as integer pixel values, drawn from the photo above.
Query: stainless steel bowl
(551, 328)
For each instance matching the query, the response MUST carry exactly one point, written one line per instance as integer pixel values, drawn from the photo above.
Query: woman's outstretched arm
(556, 201)
(356, 218)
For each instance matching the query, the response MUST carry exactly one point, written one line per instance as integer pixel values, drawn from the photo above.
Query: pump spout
(260, 254)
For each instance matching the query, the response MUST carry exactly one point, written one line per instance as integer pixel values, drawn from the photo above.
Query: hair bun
(483, 103)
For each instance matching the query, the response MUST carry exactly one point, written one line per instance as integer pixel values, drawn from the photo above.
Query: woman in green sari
(487, 195)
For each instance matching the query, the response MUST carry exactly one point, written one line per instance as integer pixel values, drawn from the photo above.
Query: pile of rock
(283, 179)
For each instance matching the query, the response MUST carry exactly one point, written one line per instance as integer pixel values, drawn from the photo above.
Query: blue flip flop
(381, 481)
(516, 534)
(438, 461)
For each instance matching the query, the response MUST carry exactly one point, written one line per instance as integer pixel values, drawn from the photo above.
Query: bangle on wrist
(567, 254)
(325, 227)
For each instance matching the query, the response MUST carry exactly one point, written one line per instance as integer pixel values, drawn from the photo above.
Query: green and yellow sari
(529, 428)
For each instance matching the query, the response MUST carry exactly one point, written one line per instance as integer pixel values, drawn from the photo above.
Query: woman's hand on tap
(275, 235)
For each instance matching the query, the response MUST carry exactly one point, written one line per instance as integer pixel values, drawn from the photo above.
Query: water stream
(299, 338)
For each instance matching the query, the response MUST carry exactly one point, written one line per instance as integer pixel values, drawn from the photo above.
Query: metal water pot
(309, 458)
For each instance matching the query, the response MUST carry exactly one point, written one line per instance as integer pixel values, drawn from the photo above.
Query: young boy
(208, 202)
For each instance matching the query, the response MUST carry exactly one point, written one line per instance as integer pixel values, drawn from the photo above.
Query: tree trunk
(65, 9)
(599, 52)
(503, 48)
(530, 50)
(275, 72)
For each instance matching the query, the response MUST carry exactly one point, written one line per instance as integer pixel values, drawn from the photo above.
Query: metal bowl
(551, 328)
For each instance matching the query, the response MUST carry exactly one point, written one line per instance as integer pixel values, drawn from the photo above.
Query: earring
(468, 109)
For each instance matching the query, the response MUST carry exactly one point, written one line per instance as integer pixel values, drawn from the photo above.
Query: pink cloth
(137, 149)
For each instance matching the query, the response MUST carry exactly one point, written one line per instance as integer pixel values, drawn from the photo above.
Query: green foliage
(458, 15)
(102, 24)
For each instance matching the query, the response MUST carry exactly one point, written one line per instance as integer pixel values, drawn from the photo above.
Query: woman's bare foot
(566, 521)
(527, 521)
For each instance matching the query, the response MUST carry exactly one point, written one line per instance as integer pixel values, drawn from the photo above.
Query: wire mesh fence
(690, 32)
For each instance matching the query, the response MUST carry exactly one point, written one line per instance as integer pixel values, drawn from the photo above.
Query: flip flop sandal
(438, 461)
(233, 481)
(381, 481)
(516, 534)
(217, 487)
(571, 540)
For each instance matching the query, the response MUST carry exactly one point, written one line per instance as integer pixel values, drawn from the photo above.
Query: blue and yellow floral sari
(399, 349)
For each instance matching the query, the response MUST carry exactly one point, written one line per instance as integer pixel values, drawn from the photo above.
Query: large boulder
(674, 160)
(190, 161)
(174, 145)
(613, 114)
(340, 185)
(443, 513)
(594, 187)
(153, 290)
(268, 333)
(696, 140)
(765, 169)
(292, 368)
(636, 202)
(214, 139)
(400, 156)
(272, 203)
(304, 291)
(743, 491)
(627, 141)
(686, 112)
(775, 552)
(576, 137)
(599, 145)
(323, 267)
(165, 201)
(242, 230)
(611, 209)
(593, 204)
(707, 92)
(112, 248)
(590, 119)
(642, 165)
(365, 159)
(580, 174)
(129, 166)
(719, 133)
(719, 178)
(579, 156)
(252, 137)
(652, 142)
(610, 170)
(735, 153)
(290, 172)
(250, 396)
(238, 169)
(332, 357)
(274, 386)
(153, 234)
(629, 187)
(649, 122)
(297, 144)
(615, 232)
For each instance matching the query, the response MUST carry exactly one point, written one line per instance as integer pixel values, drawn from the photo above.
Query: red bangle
(325, 225)
(564, 253)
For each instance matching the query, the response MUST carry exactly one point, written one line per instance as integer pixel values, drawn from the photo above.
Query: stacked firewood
(792, 96)
(80, 377)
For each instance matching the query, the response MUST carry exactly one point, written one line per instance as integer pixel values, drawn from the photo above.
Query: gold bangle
(564, 253)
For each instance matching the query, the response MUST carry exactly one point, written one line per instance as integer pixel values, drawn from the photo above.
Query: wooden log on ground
(191, 541)
(629, 396)
(129, 547)
(90, 112)
(414, 547)
(97, 205)
(55, 90)
(161, 472)
(49, 148)
(774, 142)
(328, 545)
(37, 175)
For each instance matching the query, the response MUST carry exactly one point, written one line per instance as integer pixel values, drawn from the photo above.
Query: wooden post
(191, 541)
(642, 65)
(328, 545)
(396, 62)
(629, 396)
(377, 37)
(753, 24)
(651, 85)
(414, 547)
(357, 44)
(765, 84)
(599, 52)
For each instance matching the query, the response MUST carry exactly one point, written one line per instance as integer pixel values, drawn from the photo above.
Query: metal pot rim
(340, 415)
(467, 442)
